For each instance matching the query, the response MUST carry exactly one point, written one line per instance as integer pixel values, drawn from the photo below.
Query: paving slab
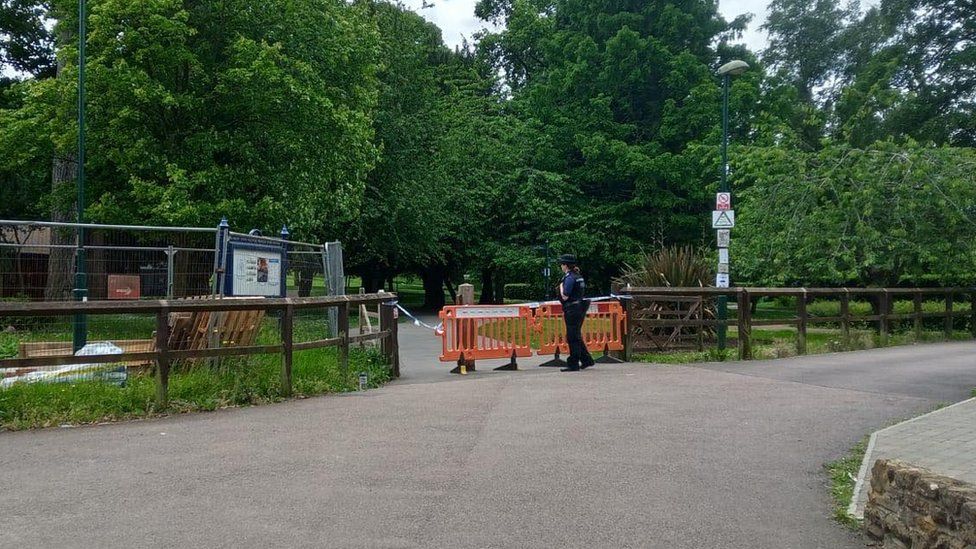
(943, 441)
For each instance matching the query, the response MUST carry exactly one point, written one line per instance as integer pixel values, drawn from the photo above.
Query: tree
(26, 44)
(397, 229)
(887, 215)
(912, 76)
(626, 99)
(807, 43)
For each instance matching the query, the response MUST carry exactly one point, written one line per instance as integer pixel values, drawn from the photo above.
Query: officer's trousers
(574, 315)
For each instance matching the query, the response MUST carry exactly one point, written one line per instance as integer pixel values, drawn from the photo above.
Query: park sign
(723, 219)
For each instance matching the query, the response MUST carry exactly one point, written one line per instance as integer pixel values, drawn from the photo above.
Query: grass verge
(237, 382)
(843, 477)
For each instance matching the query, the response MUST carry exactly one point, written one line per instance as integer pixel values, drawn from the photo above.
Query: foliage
(678, 266)
(247, 382)
(26, 43)
(522, 292)
(591, 126)
(843, 474)
(622, 109)
(883, 216)
(197, 111)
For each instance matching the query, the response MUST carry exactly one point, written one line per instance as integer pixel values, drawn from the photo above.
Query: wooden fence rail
(883, 299)
(163, 356)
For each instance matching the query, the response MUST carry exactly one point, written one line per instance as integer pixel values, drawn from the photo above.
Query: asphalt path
(629, 455)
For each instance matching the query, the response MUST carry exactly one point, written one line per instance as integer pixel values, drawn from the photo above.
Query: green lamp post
(81, 278)
(726, 71)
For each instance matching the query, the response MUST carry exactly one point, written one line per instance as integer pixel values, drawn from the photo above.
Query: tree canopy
(590, 126)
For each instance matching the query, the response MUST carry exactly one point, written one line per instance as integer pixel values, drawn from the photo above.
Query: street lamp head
(733, 68)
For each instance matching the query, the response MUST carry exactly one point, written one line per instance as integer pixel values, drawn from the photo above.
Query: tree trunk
(433, 278)
(60, 264)
(487, 287)
(450, 289)
(499, 289)
(372, 281)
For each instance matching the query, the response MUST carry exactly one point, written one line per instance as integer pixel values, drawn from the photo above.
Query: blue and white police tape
(420, 323)
(439, 329)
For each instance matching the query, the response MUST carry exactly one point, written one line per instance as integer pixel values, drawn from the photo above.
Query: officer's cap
(567, 259)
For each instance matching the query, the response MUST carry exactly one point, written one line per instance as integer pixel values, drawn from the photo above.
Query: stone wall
(913, 508)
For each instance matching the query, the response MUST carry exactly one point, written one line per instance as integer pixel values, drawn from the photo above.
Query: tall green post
(723, 187)
(81, 277)
(726, 71)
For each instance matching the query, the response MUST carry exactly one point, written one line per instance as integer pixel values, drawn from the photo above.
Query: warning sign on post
(723, 219)
(722, 280)
(723, 201)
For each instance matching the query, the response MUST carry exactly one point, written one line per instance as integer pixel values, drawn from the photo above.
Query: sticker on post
(722, 280)
(724, 238)
(723, 201)
(723, 268)
(723, 219)
(723, 255)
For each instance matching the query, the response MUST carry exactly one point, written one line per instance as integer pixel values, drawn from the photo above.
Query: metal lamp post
(723, 218)
(81, 278)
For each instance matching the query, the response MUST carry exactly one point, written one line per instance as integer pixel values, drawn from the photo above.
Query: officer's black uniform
(574, 312)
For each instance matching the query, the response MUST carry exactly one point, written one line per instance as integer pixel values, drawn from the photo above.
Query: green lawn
(786, 308)
(781, 343)
(233, 381)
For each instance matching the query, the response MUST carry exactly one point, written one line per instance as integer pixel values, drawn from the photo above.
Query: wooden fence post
(391, 344)
(917, 301)
(745, 325)
(948, 316)
(629, 328)
(845, 315)
(162, 358)
(972, 312)
(287, 341)
(801, 322)
(343, 333)
(883, 317)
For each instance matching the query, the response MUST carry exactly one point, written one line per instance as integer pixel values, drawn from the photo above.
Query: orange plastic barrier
(472, 332)
(603, 328)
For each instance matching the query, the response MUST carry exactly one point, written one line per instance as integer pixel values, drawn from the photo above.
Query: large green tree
(199, 109)
(626, 97)
(891, 214)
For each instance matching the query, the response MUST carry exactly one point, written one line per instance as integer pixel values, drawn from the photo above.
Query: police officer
(571, 290)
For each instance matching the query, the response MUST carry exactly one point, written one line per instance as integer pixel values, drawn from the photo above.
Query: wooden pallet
(188, 331)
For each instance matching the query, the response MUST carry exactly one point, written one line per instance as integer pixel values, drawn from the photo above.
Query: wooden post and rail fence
(163, 356)
(652, 312)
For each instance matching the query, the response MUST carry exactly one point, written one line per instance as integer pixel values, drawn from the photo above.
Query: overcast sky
(456, 18)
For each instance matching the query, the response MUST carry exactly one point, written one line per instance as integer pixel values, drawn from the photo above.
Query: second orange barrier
(603, 328)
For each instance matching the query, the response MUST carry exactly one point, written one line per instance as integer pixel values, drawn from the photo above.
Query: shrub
(679, 266)
(520, 291)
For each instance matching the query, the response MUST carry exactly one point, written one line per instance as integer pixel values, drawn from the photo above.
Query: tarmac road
(617, 456)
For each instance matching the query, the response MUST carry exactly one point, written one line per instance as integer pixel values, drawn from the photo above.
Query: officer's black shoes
(585, 366)
(570, 369)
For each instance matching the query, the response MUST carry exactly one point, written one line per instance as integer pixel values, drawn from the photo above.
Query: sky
(457, 20)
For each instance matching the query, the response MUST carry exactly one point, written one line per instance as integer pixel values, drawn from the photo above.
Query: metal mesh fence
(38, 261)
